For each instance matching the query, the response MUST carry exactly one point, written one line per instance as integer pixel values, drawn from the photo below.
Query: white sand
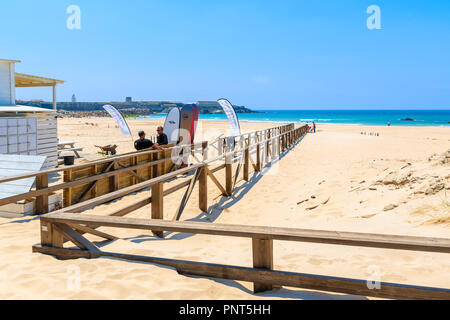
(337, 164)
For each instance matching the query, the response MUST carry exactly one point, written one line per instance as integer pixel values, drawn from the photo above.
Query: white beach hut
(26, 130)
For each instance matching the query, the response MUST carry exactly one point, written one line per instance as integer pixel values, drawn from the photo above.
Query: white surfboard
(172, 125)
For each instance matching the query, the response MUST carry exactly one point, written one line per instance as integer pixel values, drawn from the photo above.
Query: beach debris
(372, 188)
(364, 181)
(405, 166)
(326, 201)
(313, 197)
(434, 189)
(306, 200)
(368, 216)
(390, 207)
(313, 207)
(395, 179)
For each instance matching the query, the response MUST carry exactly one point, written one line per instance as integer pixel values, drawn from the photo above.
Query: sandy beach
(391, 180)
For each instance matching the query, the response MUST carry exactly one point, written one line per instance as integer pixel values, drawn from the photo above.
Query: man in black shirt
(142, 143)
(162, 137)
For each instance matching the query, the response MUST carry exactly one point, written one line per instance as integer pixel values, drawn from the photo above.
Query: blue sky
(262, 54)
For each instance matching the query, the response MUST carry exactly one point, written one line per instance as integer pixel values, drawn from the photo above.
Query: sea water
(362, 117)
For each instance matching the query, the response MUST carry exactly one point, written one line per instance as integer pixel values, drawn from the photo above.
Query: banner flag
(117, 116)
(231, 115)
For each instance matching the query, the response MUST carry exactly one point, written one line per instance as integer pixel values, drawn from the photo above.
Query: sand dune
(396, 182)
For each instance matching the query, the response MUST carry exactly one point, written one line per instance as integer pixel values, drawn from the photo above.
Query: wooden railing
(66, 225)
(56, 228)
(92, 181)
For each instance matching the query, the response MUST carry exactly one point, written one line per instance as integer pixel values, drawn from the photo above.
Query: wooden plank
(142, 203)
(85, 229)
(286, 234)
(80, 241)
(93, 184)
(187, 194)
(18, 165)
(216, 182)
(263, 259)
(270, 277)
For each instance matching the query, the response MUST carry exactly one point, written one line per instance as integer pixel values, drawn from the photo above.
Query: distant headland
(130, 108)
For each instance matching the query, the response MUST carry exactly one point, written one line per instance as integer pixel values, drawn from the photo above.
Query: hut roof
(23, 109)
(26, 80)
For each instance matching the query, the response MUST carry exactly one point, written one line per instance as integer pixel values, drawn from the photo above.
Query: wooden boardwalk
(55, 228)
(236, 156)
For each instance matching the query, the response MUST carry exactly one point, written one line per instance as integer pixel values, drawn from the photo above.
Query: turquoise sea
(363, 117)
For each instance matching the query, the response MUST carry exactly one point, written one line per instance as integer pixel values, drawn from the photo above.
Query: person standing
(162, 137)
(314, 127)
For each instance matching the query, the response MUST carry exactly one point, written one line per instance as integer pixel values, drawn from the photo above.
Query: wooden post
(54, 98)
(228, 175)
(279, 146)
(262, 258)
(116, 181)
(95, 189)
(220, 146)
(133, 161)
(258, 157)
(203, 181)
(50, 236)
(67, 192)
(158, 205)
(150, 168)
(46, 233)
(157, 196)
(42, 201)
(246, 160)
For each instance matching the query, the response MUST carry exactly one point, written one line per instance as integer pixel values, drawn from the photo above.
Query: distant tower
(128, 100)
(74, 99)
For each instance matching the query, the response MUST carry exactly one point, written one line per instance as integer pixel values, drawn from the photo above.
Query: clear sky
(261, 54)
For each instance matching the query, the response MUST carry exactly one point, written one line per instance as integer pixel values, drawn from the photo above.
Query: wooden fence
(89, 190)
(56, 228)
(98, 179)
(245, 152)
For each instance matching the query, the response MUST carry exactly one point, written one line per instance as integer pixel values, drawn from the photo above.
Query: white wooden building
(26, 130)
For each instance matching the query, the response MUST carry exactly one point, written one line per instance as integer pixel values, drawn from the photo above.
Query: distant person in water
(162, 137)
(142, 143)
(389, 123)
(314, 127)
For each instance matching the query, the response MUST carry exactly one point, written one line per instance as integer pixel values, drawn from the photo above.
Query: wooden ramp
(57, 228)
(15, 165)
